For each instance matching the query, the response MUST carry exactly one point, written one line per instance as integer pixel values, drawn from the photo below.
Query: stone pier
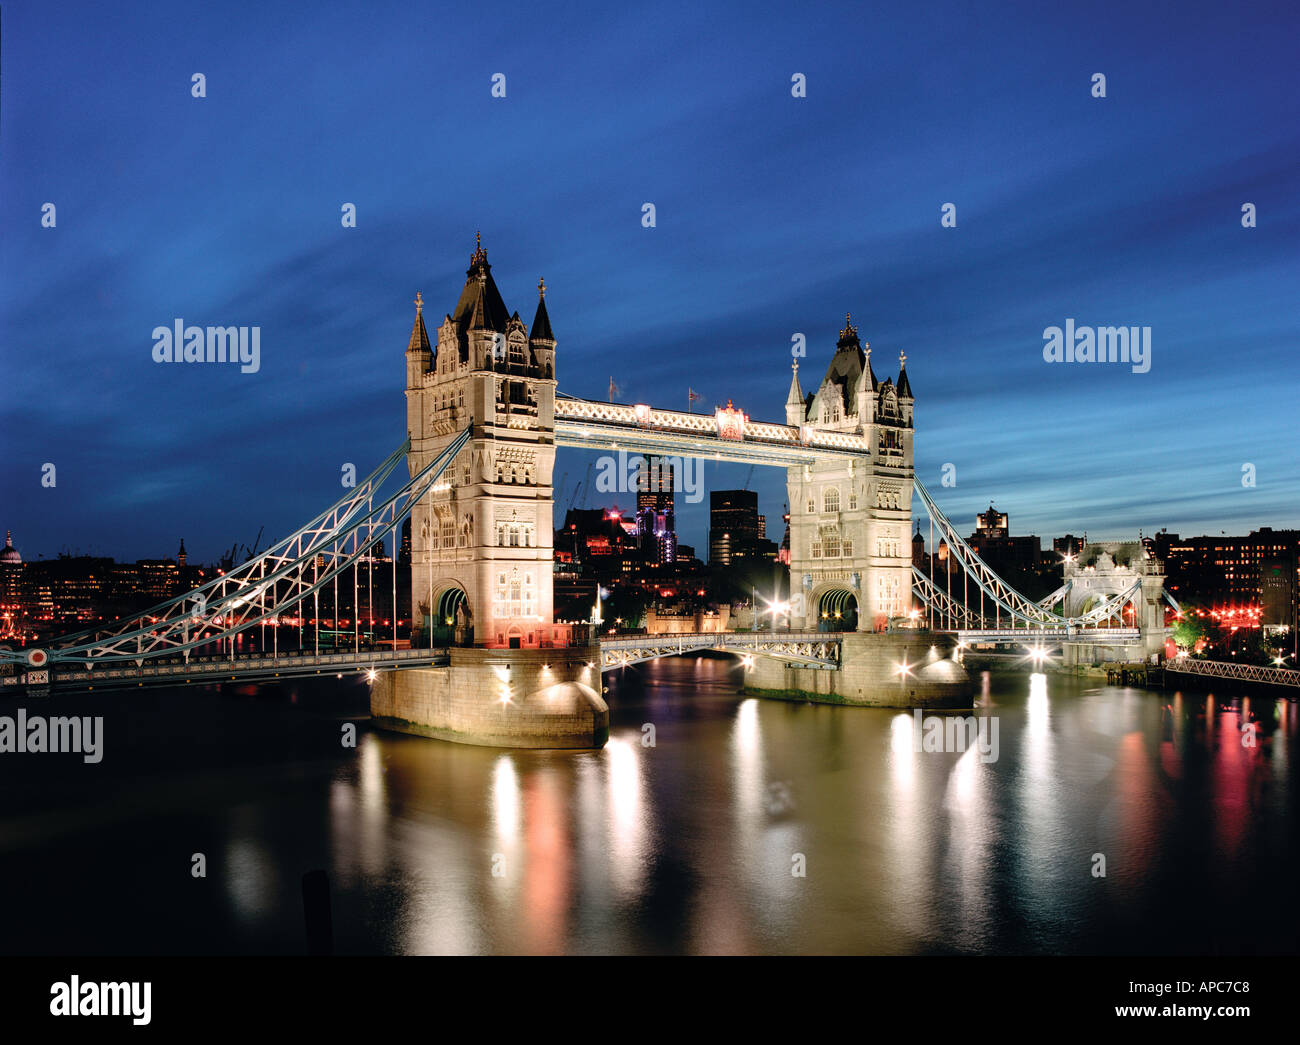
(869, 674)
(523, 698)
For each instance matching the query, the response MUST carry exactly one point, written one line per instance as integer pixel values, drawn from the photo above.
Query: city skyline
(1125, 210)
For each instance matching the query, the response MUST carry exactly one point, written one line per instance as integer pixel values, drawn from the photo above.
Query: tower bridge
(485, 661)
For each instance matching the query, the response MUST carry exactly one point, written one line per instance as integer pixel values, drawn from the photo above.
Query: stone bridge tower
(851, 516)
(481, 540)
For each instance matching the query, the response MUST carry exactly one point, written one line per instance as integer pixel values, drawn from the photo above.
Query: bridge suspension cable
(261, 589)
(1004, 597)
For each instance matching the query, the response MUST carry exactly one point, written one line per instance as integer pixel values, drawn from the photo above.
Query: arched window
(831, 499)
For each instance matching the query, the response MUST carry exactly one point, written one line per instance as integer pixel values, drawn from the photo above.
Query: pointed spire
(868, 375)
(849, 335)
(419, 336)
(904, 386)
(542, 320)
(795, 398)
(480, 255)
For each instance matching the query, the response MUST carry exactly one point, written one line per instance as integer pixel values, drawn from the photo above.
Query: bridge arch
(441, 620)
(837, 608)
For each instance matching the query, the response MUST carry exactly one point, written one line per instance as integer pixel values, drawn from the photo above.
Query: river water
(692, 845)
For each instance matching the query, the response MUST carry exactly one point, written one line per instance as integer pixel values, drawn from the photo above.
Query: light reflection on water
(689, 845)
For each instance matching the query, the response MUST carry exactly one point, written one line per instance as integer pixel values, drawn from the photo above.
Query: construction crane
(582, 486)
(250, 552)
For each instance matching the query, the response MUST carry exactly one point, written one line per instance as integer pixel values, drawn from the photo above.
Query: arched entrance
(837, 610)
(444, 615)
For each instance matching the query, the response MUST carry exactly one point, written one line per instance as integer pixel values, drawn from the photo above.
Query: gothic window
(830, 541)
(887, 595)
(853, 501)
(530, 596)
(831, 499)
(816, 548)
(846, 549)
(516, 351)
(460, 398)
(812, 506)
(448, 531)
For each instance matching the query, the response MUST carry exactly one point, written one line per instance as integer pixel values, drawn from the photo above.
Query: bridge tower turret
(850, 560)
(481, 540)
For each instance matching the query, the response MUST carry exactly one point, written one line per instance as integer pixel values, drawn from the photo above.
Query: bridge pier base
(520, 698)
(905, 669)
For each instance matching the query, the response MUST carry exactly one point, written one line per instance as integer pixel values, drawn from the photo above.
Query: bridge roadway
(215, 670)
(1097, 636)
(809, 649)
(813, 649)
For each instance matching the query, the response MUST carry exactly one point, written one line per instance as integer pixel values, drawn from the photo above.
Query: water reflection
(688, 846)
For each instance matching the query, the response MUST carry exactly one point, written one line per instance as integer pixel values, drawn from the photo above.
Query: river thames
(688, 846)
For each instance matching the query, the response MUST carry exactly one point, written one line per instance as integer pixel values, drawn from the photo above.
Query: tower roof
(847, 366)
(419, 336)
(542, 320)
(480, 306)
(904, 386)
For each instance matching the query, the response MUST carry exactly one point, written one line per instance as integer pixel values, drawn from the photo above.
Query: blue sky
(775, 215)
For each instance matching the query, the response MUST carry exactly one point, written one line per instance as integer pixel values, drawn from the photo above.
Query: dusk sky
(775, 215)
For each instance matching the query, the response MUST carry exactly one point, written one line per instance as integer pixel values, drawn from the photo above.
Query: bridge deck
(213, 670)
(1099, 636)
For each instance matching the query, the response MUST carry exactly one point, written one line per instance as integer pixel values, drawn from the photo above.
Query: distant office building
(654, 510)
(1228, 572)
(1279, 588)
(991, 524)
(736, 529)
(404, 556)
(1069, 545)
(1003, 553)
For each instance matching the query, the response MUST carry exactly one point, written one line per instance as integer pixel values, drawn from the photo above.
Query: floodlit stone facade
(481, 540)
(850, 517)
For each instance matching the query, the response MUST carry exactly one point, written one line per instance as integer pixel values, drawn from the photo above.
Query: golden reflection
(505, 799)
(625, 816)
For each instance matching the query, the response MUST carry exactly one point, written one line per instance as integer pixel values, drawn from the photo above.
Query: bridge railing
(1229, 670)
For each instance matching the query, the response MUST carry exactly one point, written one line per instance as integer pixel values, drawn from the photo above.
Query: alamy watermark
(35, 734)
(1098, 345)
(73, 998)
(638, 474)
(952, 733)
(181, 344)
